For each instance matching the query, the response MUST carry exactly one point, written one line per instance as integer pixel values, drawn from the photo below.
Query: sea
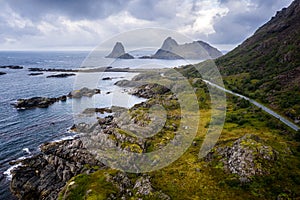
(23, 131)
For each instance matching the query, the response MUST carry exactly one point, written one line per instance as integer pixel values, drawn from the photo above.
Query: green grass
(89, 187)
(192, 178)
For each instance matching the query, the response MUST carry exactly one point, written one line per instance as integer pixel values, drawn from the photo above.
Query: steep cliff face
(267, 65)
(119, 52)
(195, 50)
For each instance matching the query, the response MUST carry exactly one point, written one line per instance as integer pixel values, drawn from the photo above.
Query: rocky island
(11, 67)
(119, 52)
(45, 102)
(35, 74)
(171, 50)
(65, 75)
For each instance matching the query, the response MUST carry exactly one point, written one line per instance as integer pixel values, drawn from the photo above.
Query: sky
(84, 24)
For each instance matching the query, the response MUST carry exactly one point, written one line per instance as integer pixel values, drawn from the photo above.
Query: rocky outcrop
(141, 188)
(35, 102)
(145, 57)
(247, 157)
(126, 56)
(110, 78)
(167, 55)
(65, 75)
(119, 52)
(36, 69)
(35, 74)
(150, 90)
(83, 92)
(44, 175)
(2, 73)
(11, 67)
(127, 83)
(195, 50)
(97, 110)
(44, 102)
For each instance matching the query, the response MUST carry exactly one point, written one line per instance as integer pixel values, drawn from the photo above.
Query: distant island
(119, 52)
(171, 50)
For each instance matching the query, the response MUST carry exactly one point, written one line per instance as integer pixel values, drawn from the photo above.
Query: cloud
(75, 23)
(73, 9)
(243, 18)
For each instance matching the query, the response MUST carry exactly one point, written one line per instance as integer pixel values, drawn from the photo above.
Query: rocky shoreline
(44, 175)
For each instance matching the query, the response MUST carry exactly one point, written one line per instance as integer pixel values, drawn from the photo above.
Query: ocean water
(22, 131)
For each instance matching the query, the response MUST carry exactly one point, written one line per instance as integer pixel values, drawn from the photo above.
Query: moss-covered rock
(247, 157)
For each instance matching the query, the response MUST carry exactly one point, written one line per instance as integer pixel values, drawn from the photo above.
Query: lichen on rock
(247, 157)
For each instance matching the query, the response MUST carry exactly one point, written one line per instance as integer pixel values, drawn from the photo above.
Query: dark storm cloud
(74, 9)
(37, 23)
(152, 10)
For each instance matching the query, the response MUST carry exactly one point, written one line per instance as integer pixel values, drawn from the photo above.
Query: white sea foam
(8, 174)
(65, 138)
(26, 150)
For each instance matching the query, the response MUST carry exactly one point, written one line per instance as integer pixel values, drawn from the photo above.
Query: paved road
(271, 112)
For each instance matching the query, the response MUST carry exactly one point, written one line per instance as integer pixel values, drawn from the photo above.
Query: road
(266, 109)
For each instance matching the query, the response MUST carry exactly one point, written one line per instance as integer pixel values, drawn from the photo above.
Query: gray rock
(64, 75)
(83, 92)
(195, 50)
(119, 52)
(127, 83)
(247, 157)
(44, 175)
(143, 186)
(11, 67)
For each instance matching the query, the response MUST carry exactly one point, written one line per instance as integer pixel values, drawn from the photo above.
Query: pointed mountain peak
(117, 51)
(169, 43)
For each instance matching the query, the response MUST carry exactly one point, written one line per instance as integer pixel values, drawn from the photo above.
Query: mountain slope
(267, 65)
